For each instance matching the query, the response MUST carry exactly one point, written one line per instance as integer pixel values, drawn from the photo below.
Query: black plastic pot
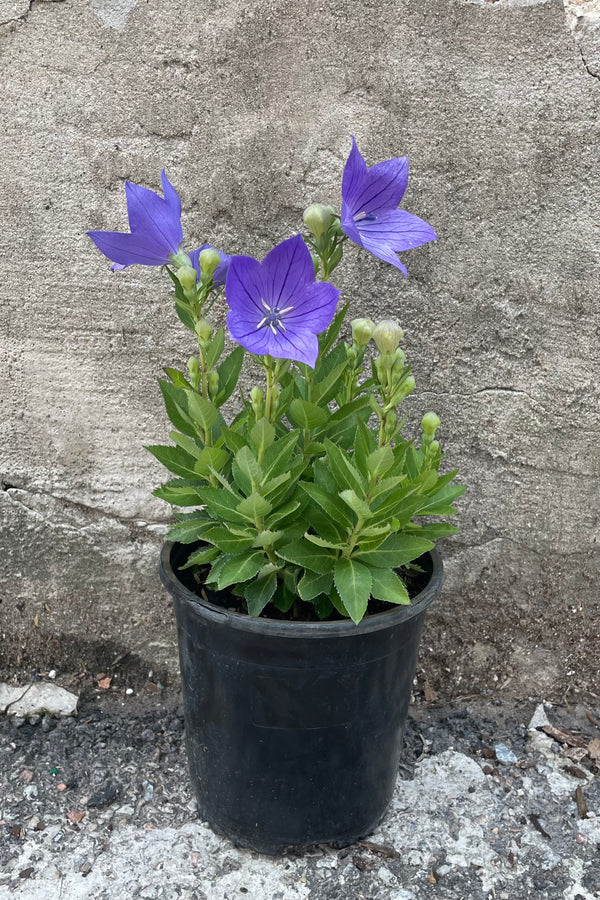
(294, 731)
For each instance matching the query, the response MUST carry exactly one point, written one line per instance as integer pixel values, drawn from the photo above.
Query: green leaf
(353, 582)
(269, 487)
(439, 503)
(309, 556)
(324, 390)
(380, 461)
(278, 455)
(246, 471)
(336, 601)
(254, 507)
(201, 411)
(228, 542)
(283, 512)
(229, 371)
(179, 492)
(312, 584)
(386, 485)
(283, 599)
(344, 472)
(221, 505)
(178, 378)
(201, 557)
(232, 440)
(174, 459)
(211, 459)
(176, 407)
(187, 443)
(323, 606)
(433, 531)
(188, 532)
(239, 568)
(262, 435)
(388, 586)
(328, 338)
(259, 593)
(182, 310)
(395, 551)
(412, 462)
(306, 415)
(215, 348)
(357, 505)
(322, 542)
(267, 538)
(330, 504)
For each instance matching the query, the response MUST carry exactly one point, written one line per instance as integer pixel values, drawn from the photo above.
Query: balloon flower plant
(308, 503)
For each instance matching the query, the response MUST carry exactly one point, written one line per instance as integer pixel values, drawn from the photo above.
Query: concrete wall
(249, 105)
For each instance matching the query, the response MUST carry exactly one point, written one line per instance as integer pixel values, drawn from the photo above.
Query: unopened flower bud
(391, 420)
(193, 367)
(387, 335)
(204, 329)
(181, 260)
(351, 353)
(434, 447)
(317, 219)
(362, 329)
(213, 383)
(209, 259)
(406, 389)
(400, 356)
(430, 423)
(257, 396)
(187, 277)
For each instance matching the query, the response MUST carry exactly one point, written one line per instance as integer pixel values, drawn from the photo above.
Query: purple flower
(370, 214)
(155, 225)
(276, 307)
(220, 272)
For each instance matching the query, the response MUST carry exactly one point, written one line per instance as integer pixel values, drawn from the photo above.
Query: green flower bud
(204, 329)
(187, 277)
(430, 423)
(257, 396)
(275, 392)
(387, 335)
(400, 356)
(434, 447)
(317, 219)
(193, 367)
(181, 260)
(209, 259)
(351, 353)
(381, 369)
(362, 329)
(391, 420)
(213, 383)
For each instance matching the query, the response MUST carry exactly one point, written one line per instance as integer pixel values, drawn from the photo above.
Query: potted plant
(303, 568)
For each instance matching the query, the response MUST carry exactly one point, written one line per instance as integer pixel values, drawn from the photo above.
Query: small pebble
(129, 691)
(30, 791)
(52, 674)
(504, 754)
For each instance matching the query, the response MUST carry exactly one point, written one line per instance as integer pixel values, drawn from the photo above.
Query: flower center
(273, 317)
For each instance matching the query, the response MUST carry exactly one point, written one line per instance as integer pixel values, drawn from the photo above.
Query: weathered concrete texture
(99, 807)
(249, 106)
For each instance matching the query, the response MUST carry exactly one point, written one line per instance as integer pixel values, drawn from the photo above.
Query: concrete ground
(496, 798)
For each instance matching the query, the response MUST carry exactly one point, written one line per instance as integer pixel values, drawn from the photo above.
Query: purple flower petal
(397, 228)
(382, 187)
(129, 249)
(384, 252)
(244, 287)
(317, 304)
(150, 215)
(285, 268)
(354, 173)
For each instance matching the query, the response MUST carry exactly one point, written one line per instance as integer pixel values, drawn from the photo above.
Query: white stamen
(262, 322)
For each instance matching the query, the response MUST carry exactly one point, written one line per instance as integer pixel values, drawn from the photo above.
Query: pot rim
(279, 628)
